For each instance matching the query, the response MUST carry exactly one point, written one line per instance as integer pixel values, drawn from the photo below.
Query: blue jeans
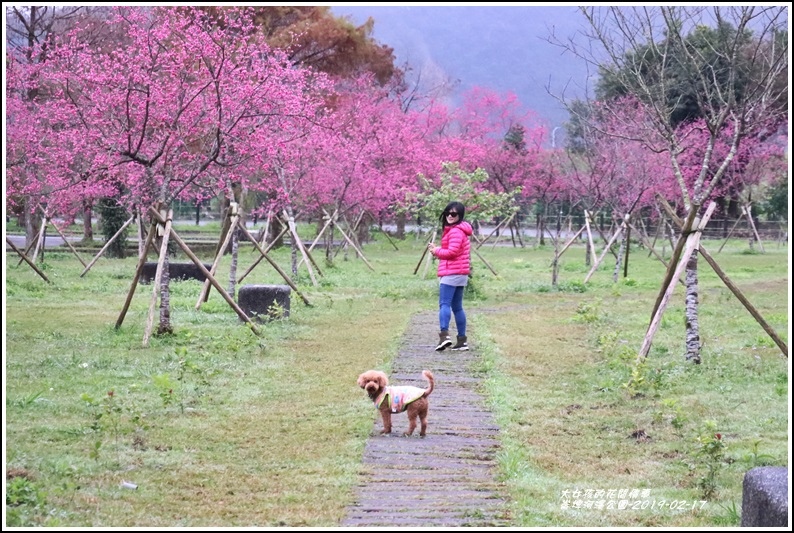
(450, 302)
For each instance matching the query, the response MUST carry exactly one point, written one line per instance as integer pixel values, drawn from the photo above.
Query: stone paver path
(446, 478)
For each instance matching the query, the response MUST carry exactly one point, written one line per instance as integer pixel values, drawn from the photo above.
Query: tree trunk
(329, 244)
(32, 219)
(233, 266)
(88, 228)
(619, 259)
(692, 325)
(364, 222)
(165, 299)
(294, 259)
(274, 230)
(400, 234)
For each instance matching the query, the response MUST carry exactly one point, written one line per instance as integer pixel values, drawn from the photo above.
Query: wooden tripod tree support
(424, 253)
(265, 230)
(745, 213)
(651, 250)
(233, 215)
(733, 288)
(42, 237)
(273, 263)
(502, 223)
(206, 272)
(690, 243)
(47, 219)
(350, 237)
(263, 253)
(606, 250)
(507, 225)
(138, 269)
(429, 255)
(29, 248)
(566, 246)
(385, 233)
(328, 222)
(165, 232)
(107, 245)
(290, 221)
(349, 240)
(27, 260)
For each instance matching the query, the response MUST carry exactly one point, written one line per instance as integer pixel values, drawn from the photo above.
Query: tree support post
(107, 245)
(63, 237)
(274, 265)
(138, 269)
(28, 261)
(232, 214)
(206, 272)
(691, 243)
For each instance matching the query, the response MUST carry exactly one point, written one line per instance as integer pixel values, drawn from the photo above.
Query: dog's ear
(383, 379)
(361, 381)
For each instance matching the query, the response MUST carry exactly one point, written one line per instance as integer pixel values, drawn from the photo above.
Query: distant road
(49, 242)
(53, 241)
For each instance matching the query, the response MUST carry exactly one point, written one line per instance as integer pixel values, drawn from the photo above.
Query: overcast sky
(503, 47)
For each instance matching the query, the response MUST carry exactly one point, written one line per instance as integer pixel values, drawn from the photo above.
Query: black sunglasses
(452, 214)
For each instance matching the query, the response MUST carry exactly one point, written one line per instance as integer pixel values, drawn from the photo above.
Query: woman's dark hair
(456, 207)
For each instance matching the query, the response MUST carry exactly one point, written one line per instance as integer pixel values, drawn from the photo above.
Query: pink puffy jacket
(454, 254)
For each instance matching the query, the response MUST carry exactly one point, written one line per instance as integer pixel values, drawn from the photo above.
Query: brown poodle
(390, 400)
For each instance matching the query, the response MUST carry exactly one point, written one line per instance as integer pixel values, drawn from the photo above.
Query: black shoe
(444, 341)
(461, 345)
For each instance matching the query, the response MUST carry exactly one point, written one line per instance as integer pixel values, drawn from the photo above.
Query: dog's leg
(411, 422)
(386, 416)
(423, 419)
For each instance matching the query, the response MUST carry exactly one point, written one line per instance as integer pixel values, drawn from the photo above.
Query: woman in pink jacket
(454, 267)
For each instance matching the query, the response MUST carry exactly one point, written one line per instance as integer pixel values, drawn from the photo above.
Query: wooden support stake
(28, 261)
(157, 279)
(28, 248)
(692, 242)
(138, 270)
(40, 241)
(755, 231)
(349, 240)
(590, 237)
(606, 250)
(425, 252)
(259, 247)
(568, 244)
(209, 276)
(64, 238)
(205, 289)
(278, 268)
(299, 244)
(747, 305)
(107, 245)
(506, 225)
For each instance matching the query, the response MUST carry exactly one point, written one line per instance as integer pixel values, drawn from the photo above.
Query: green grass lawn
(219, 427)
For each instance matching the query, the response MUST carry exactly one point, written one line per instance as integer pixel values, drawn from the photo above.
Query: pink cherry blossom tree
(734, 80)
(185, 105)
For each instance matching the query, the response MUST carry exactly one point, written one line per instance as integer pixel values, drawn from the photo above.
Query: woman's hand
(431, 247)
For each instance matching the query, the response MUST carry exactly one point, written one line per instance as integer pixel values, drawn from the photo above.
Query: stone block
(177, 272)
(263, 303)
(765, 497)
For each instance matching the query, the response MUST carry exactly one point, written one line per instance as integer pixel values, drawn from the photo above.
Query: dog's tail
(429, 377)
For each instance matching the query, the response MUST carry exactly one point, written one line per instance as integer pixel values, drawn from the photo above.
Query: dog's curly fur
(375, 381)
